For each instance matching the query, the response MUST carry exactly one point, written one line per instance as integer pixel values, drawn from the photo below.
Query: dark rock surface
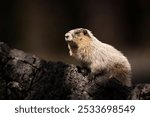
(25, 76)
(140, 92)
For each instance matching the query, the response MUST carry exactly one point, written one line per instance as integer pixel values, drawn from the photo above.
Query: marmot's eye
(80, 39)
(77, 32)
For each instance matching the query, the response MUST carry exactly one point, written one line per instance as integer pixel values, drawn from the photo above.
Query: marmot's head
(78, 38)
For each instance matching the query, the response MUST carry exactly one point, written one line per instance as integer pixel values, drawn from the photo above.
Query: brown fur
(80, 41)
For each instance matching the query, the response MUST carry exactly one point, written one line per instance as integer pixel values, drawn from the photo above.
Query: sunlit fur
(98, 56)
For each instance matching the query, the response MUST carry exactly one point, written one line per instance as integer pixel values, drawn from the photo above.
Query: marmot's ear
(85, 32)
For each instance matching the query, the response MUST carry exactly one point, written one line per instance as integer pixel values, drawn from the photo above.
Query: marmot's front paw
(84, 71)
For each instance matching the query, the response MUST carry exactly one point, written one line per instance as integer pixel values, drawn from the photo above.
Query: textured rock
(25, 76)
(140, 92)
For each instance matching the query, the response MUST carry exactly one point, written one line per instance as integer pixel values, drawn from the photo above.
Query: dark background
(38, 27)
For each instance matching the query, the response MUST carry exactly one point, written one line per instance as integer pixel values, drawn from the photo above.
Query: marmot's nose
(68, 37)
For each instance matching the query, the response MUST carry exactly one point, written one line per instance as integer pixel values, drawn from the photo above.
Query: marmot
(98, 56)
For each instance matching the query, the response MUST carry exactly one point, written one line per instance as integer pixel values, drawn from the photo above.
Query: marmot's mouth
(72, 44)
